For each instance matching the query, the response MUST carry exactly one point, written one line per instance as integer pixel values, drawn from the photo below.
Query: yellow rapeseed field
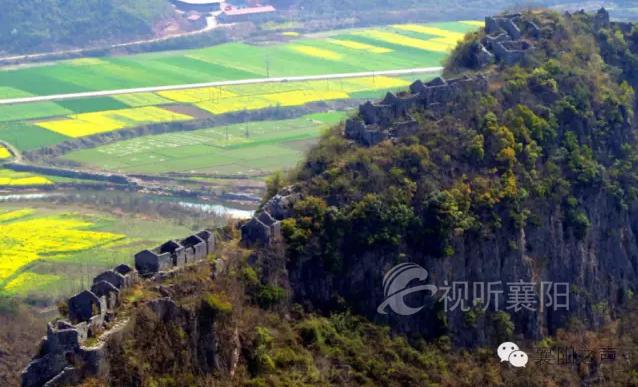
(302, 97)
(85, 124)
(197, 95)
(236, 104)
(25, 181)
(295, 93)
(25, 241)
(11, 178)
(80, 127)
(147, 114)
(352, 85)
(359, 46)
(290, 33)
(4, 153)
(317, 52)
(402, 40)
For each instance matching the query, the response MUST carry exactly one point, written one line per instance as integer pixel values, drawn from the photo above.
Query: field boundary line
(155, 89)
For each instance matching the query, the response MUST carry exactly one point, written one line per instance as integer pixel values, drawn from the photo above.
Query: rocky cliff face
(600, 270)
(173, 343)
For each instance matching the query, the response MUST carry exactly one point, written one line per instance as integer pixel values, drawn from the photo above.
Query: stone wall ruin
(64, 357)
(391, 118)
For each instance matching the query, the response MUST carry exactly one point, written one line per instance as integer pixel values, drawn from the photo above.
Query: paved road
(154, 89)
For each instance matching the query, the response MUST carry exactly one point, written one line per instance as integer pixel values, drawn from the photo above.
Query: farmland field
(84, 124)
(253, 148)
(249, 97)
(36, 125)
(50, 252)
(336, 52)
(147, 107)
(26, 136)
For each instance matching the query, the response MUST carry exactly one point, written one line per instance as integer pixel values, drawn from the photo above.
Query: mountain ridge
(528, 178)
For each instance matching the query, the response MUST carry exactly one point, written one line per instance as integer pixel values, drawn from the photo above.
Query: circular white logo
(395, 288)
(510, 352)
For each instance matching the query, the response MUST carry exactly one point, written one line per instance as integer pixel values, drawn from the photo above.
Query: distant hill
(443, 10)
(42, 25)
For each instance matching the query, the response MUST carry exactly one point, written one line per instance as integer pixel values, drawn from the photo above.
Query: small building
(198, 5)
(84, 305)
(209, 238)
(149, 262)
(248, 14)
(107, 290)
(129, 274)
(176, 251)
(112, 277)
(195, 248)
(262, 229)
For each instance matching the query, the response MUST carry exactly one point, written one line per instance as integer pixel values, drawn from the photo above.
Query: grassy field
(27, 136)
(252, 148)
(46, 253)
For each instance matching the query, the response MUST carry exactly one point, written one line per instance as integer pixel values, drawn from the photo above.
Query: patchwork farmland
(251, 149)
(335, 52)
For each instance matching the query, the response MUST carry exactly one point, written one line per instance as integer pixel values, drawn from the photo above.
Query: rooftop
(248, 11)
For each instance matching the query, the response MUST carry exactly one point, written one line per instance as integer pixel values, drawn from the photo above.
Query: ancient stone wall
(264, 229)
(64, 358)
(175, 253)
(506, 38)
(391, 117)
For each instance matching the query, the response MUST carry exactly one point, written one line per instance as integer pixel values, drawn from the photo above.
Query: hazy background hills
(45, 25)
